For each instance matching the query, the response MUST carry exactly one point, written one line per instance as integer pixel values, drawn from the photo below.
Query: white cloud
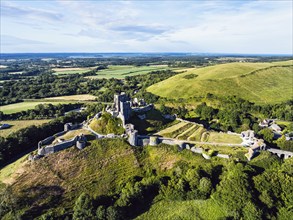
(154, 26)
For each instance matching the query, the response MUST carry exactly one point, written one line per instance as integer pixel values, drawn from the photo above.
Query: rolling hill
(257, 82)
(141, 183)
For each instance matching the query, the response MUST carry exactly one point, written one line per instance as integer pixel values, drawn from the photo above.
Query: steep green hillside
(111, 180)
(61, 177)
(256, 82)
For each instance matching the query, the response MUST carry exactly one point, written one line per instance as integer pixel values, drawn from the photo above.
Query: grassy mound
(107, 124)
(61, 177)
(257, 82)
(105, 171)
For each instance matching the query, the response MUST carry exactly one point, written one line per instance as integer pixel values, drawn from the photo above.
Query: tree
(234, 191)
(101, 213)
(83, 208)
(112, 213)
(251, 212)
(284, 144)
(205, 187)
(267, 134)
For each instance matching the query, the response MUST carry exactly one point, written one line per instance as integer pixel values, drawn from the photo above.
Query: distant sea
(111, 55)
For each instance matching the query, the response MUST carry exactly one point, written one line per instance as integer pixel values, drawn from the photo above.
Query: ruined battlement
(46, 147)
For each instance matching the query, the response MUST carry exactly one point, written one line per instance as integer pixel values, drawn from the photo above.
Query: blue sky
(230, 26)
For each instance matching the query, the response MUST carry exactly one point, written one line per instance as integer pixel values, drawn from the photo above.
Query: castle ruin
(46, 146)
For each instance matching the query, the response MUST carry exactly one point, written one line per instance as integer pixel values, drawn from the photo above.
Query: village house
(247, 137)
(265, 123)
(276, 128)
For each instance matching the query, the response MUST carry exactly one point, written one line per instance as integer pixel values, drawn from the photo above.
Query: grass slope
(61, 177)
(193, 209)
(55, 181)
(257, 82)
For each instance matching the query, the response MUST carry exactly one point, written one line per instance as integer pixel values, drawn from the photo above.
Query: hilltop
(257, 82)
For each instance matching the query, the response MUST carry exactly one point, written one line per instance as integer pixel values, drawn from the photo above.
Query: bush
(83, 208)
(190, 76)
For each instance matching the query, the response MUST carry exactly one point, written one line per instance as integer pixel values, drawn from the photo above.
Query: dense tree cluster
(236, 114)
(47, 85)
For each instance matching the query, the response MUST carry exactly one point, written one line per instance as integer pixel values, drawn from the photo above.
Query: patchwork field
(257, 82)
(120, 72)
(19, 124)
(65, 71)
(23, 106)
(195, 132)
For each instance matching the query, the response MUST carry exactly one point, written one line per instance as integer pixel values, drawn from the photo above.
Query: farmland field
(23, 106)
(64, 71)
(121, 72)
(257, 82)
(19, 124)
(82, 97)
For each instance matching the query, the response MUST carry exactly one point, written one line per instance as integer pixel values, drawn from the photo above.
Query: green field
(23, 106)
(257, 82)
(120, 72)
(32, 103)
(66, 71)
(19, 124)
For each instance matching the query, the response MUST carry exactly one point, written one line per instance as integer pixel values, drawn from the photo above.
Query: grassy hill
(107, 124)
(113, 173)
(61, 177)
(256, 82)
(54, 182)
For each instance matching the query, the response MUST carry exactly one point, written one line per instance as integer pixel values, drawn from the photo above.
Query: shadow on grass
(40, 198)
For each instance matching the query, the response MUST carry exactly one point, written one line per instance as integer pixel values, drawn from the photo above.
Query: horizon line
(173, 52)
